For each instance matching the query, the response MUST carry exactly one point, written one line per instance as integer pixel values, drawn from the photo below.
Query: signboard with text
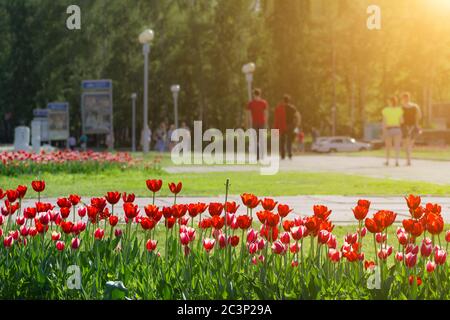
(97, 107)
(58, 121)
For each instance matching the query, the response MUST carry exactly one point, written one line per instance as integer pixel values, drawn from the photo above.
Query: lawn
(212, 184)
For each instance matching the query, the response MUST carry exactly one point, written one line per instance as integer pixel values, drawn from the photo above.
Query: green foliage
(202, 45)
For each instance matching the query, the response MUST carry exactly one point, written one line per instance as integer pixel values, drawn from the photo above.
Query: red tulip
(249, 200)
(244, 222)
(418, 281)
(64, 203)
(12, 195)
(154, 185)
(298, 232)
(131, 211)
(233, 240)
(175, 188)
(65, 212)
(426, 248)
(215, 209)
(56, 236)
(252, 236)
(38, 185)
(60, 245)
(208, 244)
(431, 266)
(8, 242)
(294, 247)
(364, 203)
(113, 220)
(232, 207)
(360, 212)
(74, 199)
(399, 256)
(128, 198)
(413, 202)
(2, 194)
(410, 260)
(118, 233)
(268, 204)
(440, 256)
(334, 255)
(285, 238)
(278, 247)
(112, 197)
(151, 245)
(82, 212)
(321, 212)
(323, 236)
(22, 190)
(284, 210)
(179, 210)
(75, 244)
(99, 234)
(170, 222)
(147, 223)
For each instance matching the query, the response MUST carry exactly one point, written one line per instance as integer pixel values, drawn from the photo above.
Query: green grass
(426, 153)
(212, 184)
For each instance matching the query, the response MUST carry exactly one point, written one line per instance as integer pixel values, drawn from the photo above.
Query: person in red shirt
(257, 109)
(257, 115)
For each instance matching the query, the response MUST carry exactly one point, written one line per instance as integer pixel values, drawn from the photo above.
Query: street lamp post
(248, 69)
(133, 122)
(145, 38)
(175, 92)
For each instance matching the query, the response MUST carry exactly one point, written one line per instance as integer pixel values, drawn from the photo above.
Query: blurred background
(318, 51)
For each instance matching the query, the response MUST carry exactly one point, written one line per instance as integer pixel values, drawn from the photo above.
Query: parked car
(339, 144)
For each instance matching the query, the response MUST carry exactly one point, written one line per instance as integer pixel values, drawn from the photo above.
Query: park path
(432, 171)
(341, 205)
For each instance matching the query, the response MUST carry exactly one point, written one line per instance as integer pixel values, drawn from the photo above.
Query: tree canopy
(318, 51)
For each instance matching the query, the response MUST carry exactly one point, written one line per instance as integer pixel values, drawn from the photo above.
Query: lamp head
(146, 36)
(249, 68)
(175, 88)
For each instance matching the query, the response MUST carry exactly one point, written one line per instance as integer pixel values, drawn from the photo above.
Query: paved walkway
(422, 170)
(341, 205)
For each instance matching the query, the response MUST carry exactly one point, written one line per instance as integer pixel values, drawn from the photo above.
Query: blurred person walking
(411, 128)
(392, 132)
(286, 119)
(257, 116)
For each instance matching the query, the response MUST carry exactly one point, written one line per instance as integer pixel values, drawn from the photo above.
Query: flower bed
(259, 249)
(22, 162)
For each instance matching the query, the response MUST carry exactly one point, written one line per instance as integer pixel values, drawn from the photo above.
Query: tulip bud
(294, 248)
(56, 236)
(447, 235)
(75, 244)
(426, 248)
(294, 263)
(151, 245)
(118, 233)
(431, 266)
(251, 235)
(285, 238)
(20, 221)
(184, 239)
(440, 256)
(60, 245)
(99, 234)
(334, 255)
(399, 256)
(8, 241)
(410, 260)
(23, 231)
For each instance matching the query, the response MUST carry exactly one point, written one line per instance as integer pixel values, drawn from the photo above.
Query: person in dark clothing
(411, 129)
(286, 119)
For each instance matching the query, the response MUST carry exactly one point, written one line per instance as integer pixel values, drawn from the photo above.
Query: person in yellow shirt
(392, 132)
